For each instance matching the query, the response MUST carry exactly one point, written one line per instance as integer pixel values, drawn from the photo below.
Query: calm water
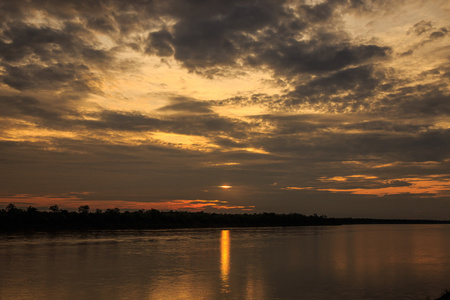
(337, 262)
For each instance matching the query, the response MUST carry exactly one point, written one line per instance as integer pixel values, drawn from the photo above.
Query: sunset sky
(330, 107)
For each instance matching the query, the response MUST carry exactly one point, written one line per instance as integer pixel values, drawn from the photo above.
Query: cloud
(421, 187)
(342, 90)
(186, 105)
(422, 99)
(71, 42)
(312, 58)
(159, 43)
(73, 200)
(55, 77)
(325, 140)
(157, 101)
(421, 27)
(424, 27)
(24, 106)
(257, 34)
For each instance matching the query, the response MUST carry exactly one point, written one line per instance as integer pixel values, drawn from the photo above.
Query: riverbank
(31, 219)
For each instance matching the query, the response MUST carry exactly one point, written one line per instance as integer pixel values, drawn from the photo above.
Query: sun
(225, 186)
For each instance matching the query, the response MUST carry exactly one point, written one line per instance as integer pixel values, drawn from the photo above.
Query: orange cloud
(431, 186)
(72, 201)
(347, 178)
(298, 188)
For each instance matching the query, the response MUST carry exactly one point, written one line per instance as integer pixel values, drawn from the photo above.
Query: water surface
(332, 262)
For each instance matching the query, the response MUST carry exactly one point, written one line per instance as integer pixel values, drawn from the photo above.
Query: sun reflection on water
(225, 260)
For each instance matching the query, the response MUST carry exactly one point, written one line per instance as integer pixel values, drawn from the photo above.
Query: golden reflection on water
(225, 260)
(421, 248)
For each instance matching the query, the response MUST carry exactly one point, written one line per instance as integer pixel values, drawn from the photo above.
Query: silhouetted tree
(32, 210)
(54, 208)
(112, 211)
(13, 218)
(83, 209)
(10, 208)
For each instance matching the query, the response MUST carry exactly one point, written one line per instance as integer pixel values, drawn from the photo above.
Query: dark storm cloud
(358, 80)
(292, 124)
(54, 77)
(205, 37)
(227, 143)
(59, 61)
(300, 57)
(103, 24)
(212, 40)
(50, 69)
(25, 40)
(208, 125)
(124, 122)
(159, 42)
(386, 126)
(257, 34)
(65, 10)
(255, 99)
(25, 106)
(359, 83)
(313, 124)
(320, 139)
(317, 13)
(48, 44)
(357, 89)
(205, 26)
(348, 90)
(427, 99)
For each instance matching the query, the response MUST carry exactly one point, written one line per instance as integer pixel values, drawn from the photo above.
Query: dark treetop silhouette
(13, 218)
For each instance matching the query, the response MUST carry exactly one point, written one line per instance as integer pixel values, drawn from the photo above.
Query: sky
(336, 107)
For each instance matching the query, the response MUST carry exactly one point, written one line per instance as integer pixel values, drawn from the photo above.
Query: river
(324, 262)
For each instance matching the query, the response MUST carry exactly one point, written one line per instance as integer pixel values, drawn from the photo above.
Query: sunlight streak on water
(225, 260)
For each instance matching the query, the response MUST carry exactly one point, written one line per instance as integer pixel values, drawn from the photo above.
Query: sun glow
(225, 187)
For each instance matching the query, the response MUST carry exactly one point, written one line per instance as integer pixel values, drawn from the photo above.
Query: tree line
(31, 219)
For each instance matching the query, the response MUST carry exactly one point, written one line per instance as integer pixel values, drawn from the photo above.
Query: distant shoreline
(15, 219)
